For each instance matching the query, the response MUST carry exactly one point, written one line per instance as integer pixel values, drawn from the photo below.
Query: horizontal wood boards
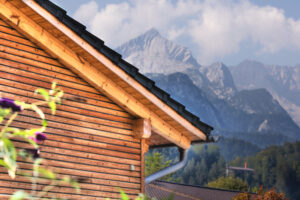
(90, 137)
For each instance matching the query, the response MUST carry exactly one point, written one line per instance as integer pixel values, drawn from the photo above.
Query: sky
(227, 31)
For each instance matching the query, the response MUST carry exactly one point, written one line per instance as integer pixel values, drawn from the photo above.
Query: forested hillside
(276, 166)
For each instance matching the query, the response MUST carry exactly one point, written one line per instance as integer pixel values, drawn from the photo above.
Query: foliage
(232, 148)
(154, 162)
(10, 155)
(276, 166)
(143, 197)
(261, 195)
(229, 183)
(205, 164)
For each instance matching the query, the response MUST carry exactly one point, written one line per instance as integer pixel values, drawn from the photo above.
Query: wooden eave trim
(115, 69)
(88, 72)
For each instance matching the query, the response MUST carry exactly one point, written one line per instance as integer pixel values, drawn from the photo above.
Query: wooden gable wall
(90, 137)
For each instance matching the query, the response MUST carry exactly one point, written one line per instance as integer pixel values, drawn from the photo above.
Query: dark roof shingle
(162, 190)
(116, 58)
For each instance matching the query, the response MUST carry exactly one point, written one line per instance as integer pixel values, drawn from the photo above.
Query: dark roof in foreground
(131, 70)
(161, 190)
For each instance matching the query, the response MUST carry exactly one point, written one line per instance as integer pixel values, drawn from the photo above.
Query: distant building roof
(161, 190)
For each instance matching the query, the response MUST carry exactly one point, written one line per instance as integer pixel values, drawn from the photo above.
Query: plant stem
(11, 119)
(34, 185)
(40, 103)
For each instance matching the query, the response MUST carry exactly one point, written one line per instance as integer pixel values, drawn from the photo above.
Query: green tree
(276, 166)
(154, 162)
(229, 183)
(205, 163)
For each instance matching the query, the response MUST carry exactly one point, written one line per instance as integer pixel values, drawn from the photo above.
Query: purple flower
(8, 103)
(35, 153)
(40, 137)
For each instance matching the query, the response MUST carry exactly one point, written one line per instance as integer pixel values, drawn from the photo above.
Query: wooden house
(110, 113)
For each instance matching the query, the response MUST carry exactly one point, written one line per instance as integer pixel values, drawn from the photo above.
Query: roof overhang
(33, 20)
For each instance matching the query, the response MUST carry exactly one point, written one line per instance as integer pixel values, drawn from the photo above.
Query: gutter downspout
(173, 168)
(183, 153)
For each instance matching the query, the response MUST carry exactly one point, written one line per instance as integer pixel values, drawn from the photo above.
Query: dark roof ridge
(116, 58)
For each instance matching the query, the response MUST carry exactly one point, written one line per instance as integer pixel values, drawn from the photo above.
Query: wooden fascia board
(88, 72)
(115, 69)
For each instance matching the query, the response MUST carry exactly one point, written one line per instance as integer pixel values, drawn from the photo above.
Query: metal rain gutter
(168, 170)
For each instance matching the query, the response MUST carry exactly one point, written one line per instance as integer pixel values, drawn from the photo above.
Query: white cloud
(217, 28)
(86, 12)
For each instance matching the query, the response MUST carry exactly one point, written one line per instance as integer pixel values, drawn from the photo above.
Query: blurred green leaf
(44, 123)
(59, 94)
(31, 132)
(38, 111)
(3, 164)
(19, 195)
(8, 153)
(123, 195)
(21, 133)
(4, 112)
(53, 86)
(12, 130)
(76, 186)
(43, 92)
(9, 148)
(47, 173)
(52, 106)
(66, 179)
(9, 157)
(22, 153)
(37, 163)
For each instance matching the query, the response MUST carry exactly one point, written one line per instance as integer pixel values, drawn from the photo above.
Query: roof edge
(129, 69)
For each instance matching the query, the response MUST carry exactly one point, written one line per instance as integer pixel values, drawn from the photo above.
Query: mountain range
(251, 102)
(283, 82)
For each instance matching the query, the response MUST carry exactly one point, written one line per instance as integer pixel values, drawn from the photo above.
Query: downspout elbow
(171, 169)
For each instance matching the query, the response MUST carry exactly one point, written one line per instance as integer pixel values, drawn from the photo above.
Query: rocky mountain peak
(139, 43)
(150, 34)
(221, 79)
(283, 82)
(152, 53)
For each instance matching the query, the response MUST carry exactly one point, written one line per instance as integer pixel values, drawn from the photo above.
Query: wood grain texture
(48, 39)
(143, 151)
(92, 55)
(90, 137)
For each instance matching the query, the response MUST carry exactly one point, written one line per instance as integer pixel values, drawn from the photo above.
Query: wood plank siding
(89, 138)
